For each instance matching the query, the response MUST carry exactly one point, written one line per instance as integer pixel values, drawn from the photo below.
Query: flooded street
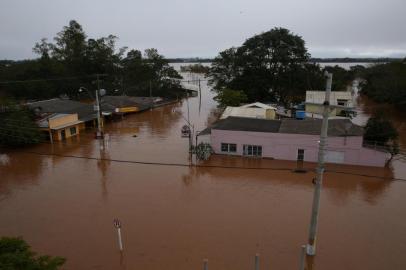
(63, 198)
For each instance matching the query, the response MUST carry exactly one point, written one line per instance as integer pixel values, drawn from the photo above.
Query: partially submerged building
(291, 139)
(254, 110)
(60, 126)
(341, 102)
(86, 113)
(125, 104)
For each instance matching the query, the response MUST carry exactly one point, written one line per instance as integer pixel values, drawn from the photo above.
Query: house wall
(285, 146)
(63, 120)
(57, 134)
(319, 96)
(250, 112)
(318, 109)
(270, 114)
(82, 126)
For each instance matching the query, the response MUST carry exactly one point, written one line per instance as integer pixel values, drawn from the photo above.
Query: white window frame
(228, 145)
(250, 150)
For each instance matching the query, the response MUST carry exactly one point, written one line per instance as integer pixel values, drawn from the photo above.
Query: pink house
(291, 139)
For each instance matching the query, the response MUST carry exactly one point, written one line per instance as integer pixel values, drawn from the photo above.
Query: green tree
(151, 70)
(16, 254)
(379, 130)
(229, 97)
(342, 78)
(78, 58)
(272, 66)
(17, 126)
(386, 83)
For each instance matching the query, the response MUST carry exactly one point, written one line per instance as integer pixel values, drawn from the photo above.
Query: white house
(340, 102)
(254, 110)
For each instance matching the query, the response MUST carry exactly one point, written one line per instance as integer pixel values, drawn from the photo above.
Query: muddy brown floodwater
(175, 216)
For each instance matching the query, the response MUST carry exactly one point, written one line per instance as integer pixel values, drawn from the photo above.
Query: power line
(202, 166)
(52, 79)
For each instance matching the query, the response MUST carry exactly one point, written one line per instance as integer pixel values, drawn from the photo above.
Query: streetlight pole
(311, 246)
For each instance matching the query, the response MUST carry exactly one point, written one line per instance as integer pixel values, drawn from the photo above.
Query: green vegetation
(386, 83)
(272, 66)
(17, 125)
(379, 130)
(15, 254)
(341, 77)
(76, 59)
(229, 97)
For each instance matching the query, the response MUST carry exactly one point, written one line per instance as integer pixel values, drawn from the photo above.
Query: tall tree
(17, 125)
(386, 83)
(77, 58)
(272, 66)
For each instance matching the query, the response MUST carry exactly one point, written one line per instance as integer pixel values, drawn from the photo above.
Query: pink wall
(285, 146)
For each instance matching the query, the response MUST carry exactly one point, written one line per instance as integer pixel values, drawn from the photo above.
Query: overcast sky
(191, 28)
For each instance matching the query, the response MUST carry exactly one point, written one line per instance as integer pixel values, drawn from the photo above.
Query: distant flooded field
(63, 198)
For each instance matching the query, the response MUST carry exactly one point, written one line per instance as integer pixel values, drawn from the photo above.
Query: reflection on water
(174, 216)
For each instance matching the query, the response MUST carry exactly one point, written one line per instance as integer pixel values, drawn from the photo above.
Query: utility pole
(99, 129)
(190, 127)
(200, 97)
(311, 246)
(150, 95)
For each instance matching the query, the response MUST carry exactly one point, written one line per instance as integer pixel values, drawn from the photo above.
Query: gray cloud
(182, 28)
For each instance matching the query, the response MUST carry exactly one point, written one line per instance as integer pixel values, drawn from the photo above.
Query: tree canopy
(17, 125)
(229, 97)
(379, 130)
(386, 83)
(72, 61)
(272, 66)
(16, 254)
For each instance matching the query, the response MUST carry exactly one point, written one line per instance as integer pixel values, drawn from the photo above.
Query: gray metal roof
(336, 128)
(85, 111)
(247, 124)
(205, 131)
(109, 103)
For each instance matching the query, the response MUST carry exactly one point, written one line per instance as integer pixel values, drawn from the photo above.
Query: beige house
(61, 126)
(340, 102)
(254, 110)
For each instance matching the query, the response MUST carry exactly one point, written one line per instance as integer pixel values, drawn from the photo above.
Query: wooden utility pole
(311, 246)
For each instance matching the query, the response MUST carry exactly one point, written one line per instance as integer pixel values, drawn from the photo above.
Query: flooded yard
(63, 198)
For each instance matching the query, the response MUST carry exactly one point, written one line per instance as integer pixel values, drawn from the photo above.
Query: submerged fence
(256, 265)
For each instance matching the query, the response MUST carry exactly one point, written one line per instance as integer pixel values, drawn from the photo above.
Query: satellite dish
(102, 92)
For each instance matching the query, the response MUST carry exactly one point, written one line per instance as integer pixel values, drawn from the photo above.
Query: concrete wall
(285, 146)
